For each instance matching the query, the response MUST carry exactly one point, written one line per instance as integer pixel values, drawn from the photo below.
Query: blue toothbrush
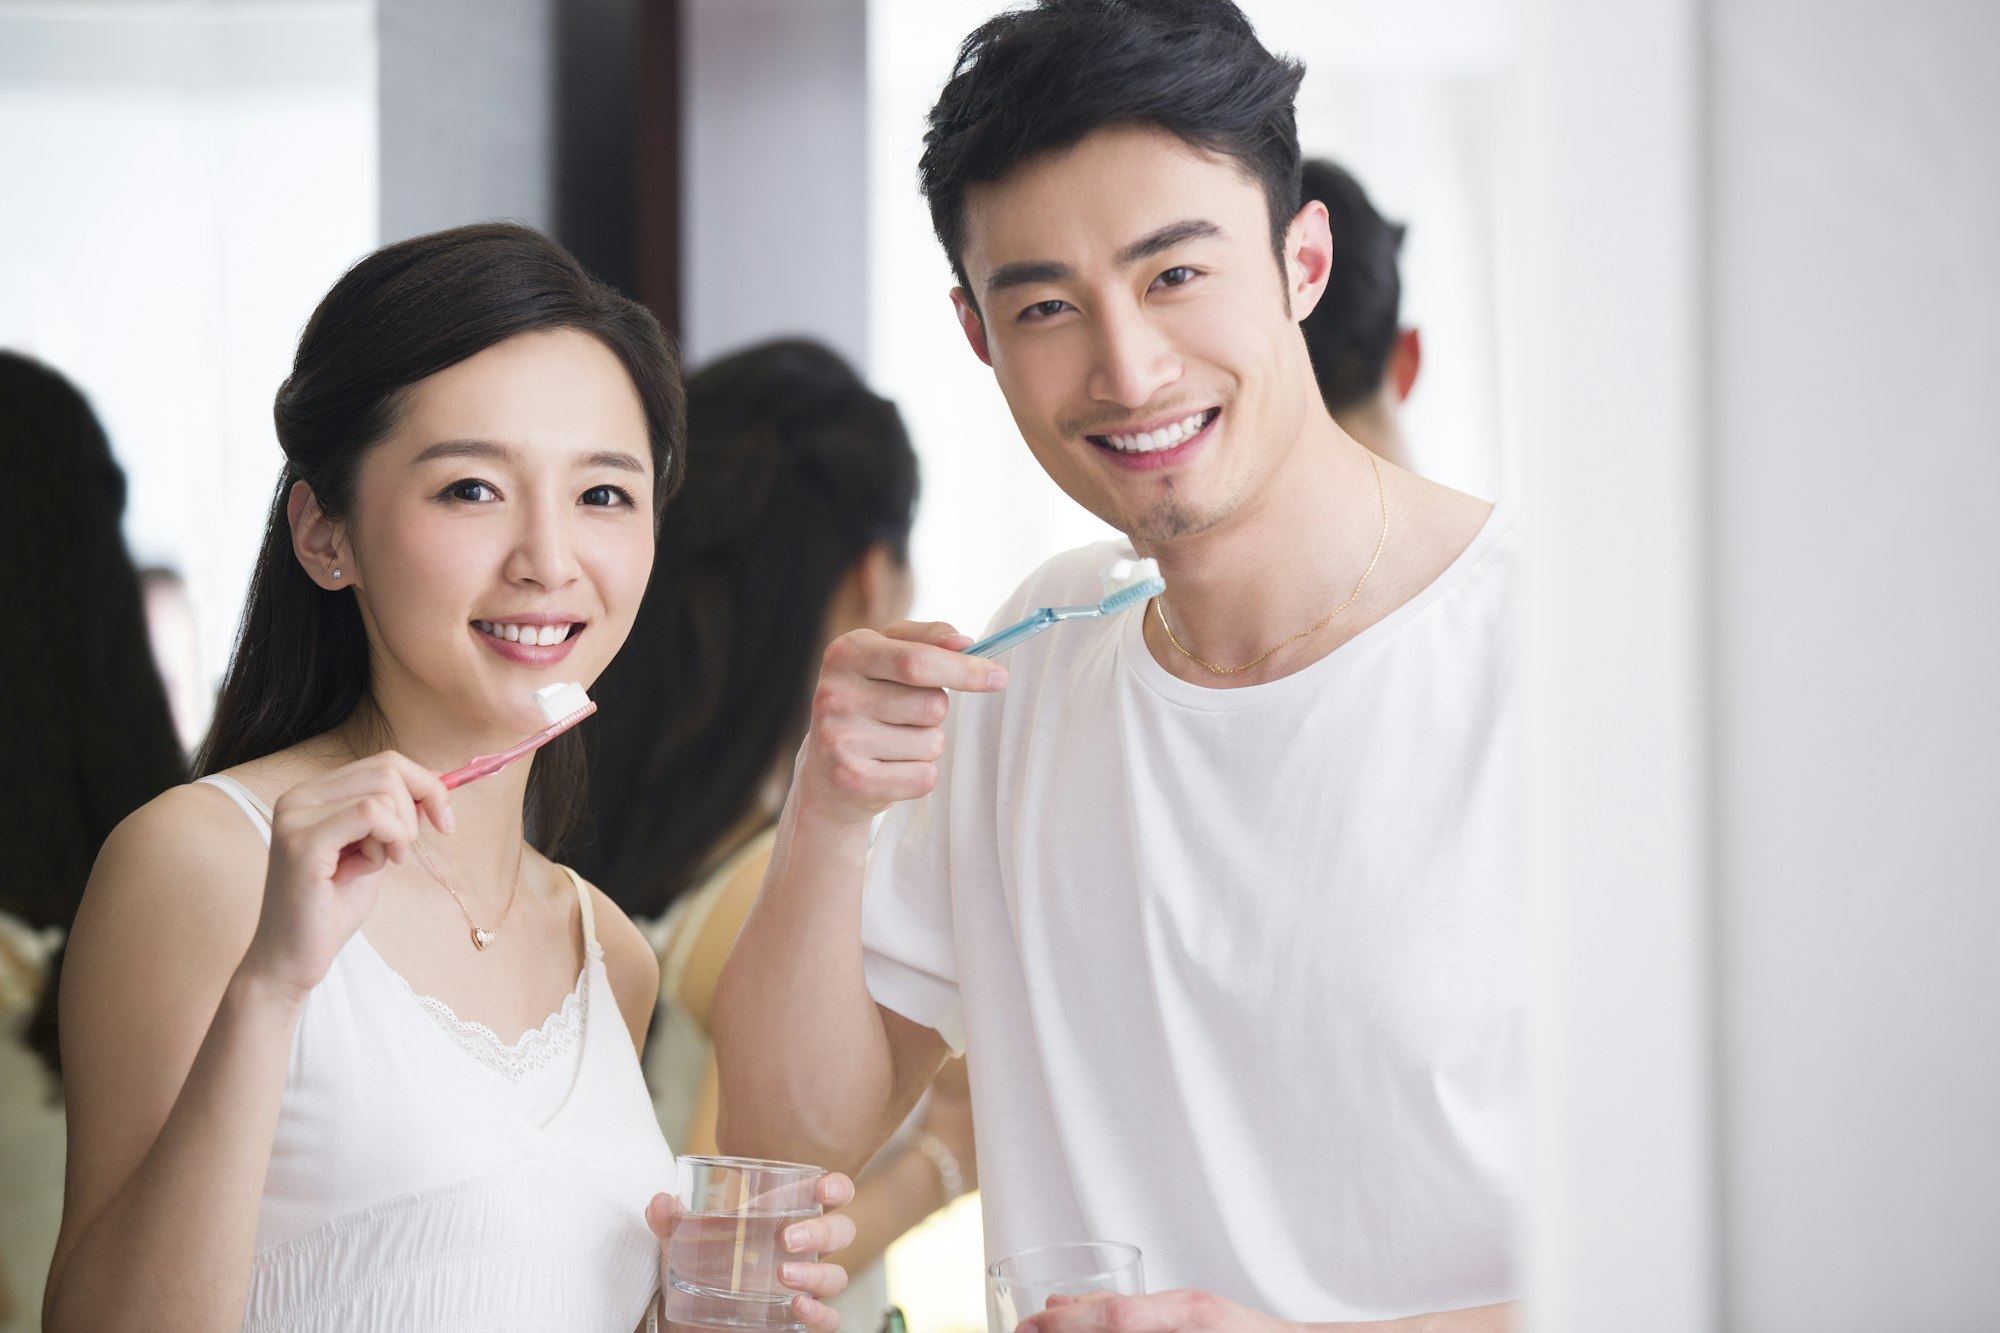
(1128, 583)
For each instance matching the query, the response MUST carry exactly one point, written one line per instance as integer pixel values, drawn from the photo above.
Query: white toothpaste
(559, 701)
(1124, 573)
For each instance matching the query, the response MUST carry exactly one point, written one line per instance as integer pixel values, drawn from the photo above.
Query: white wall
(774, 174)
(1603, 285)
(1856, 318)
(183, 184)
(468, 115)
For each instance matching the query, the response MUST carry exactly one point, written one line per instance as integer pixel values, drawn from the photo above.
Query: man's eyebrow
(610, 458)
(1027, 273)
(1167, 237)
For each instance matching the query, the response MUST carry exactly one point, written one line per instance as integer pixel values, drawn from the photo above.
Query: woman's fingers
(821, 1280)
(835, 1190)
(816, 1317)
(820, 1235)
(662, 1212)
(426, 790)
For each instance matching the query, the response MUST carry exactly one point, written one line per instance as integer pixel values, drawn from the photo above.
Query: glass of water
(1021, 1284)
(726, 1250)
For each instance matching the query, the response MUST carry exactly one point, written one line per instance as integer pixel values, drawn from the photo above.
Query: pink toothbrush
(563, 705)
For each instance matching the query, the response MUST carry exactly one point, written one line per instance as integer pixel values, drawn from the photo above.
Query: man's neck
(1277, 565)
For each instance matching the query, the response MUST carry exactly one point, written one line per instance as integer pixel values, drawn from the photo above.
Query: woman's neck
(489, 814)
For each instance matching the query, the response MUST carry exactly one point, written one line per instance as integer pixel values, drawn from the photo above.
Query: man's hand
(1200, 1312)
(878, 717)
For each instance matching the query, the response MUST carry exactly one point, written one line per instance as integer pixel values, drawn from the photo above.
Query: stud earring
(336, 572)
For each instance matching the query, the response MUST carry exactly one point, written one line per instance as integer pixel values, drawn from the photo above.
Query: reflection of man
(1365, 361)
(1219, 895)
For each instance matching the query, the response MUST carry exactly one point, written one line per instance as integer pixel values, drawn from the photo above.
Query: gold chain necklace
(1160, 603)
(480, 937)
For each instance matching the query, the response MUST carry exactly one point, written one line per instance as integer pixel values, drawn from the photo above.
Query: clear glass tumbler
(1021, 1284)
(724, 1256)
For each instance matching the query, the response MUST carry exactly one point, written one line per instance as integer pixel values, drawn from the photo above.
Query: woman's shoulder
(187, 853)
(629, 959)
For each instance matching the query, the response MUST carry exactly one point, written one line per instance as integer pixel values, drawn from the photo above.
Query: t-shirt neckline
(1138, 658)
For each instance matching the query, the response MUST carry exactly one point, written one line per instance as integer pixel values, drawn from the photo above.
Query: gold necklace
(480, 937)
(1160, 603)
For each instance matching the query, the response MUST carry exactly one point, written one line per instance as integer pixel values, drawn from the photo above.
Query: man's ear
(1308, 258)
(969, 322)
(1406, 358)
(316, 541)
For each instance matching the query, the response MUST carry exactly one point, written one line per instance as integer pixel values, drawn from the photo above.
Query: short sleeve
(907, 921)
(909, 950)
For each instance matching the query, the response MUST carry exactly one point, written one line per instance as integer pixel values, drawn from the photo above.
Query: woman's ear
(316, 540)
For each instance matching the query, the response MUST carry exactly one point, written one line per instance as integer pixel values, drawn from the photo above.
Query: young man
(1221, 896)
(1365, 360)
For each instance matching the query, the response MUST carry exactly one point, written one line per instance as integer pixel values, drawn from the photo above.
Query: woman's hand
(816, 1282)
(330, 838)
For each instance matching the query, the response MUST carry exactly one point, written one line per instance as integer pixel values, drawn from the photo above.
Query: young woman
(801, 490)
(345, 1050)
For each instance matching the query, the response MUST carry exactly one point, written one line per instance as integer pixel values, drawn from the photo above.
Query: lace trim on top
(537, 1049)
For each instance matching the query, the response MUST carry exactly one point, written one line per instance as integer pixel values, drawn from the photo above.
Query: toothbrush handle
(486, 765)
(995, 644)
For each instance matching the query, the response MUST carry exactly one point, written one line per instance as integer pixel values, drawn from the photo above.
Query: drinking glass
(726, 1249)
(1021, 1284)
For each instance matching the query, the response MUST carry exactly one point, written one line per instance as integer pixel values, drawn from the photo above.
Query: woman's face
(502, 535)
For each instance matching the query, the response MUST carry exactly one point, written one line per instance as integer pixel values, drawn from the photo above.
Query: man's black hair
(1043, 78)
(1353, 329)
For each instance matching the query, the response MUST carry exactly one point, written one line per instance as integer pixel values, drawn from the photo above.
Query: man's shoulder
(1069, 578)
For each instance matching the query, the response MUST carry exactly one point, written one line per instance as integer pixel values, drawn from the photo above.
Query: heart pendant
(481, 938)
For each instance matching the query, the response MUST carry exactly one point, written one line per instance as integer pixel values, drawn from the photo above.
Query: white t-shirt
(1239, 971)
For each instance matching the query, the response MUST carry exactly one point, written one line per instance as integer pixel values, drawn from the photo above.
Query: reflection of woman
(94, 742)
(795, 525)
(289, 1100)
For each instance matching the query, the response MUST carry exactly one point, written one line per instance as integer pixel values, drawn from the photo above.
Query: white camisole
(426, 1176)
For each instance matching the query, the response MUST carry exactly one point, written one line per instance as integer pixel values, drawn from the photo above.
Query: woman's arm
(173, 1069)
(188, 968)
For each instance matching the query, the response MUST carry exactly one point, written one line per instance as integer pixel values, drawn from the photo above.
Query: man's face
(1136, 320)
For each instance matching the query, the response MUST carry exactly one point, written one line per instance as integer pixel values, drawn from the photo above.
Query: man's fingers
(1125, 1314)
(911, 661)
(924, 631)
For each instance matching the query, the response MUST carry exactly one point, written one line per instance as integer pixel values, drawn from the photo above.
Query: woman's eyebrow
(610, 458)
(463, 449)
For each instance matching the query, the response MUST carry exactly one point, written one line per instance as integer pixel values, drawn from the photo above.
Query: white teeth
(541, 636)
(1166, 437)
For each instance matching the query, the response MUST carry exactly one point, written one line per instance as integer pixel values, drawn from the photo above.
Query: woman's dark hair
(404, 313)
(90, 715)
(795, 469)
(1042, 78)
(1352, 330)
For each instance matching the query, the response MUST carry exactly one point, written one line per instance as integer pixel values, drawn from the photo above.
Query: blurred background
(1707, 286)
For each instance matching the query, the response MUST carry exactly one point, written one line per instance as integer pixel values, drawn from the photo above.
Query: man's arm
(812, 1069)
